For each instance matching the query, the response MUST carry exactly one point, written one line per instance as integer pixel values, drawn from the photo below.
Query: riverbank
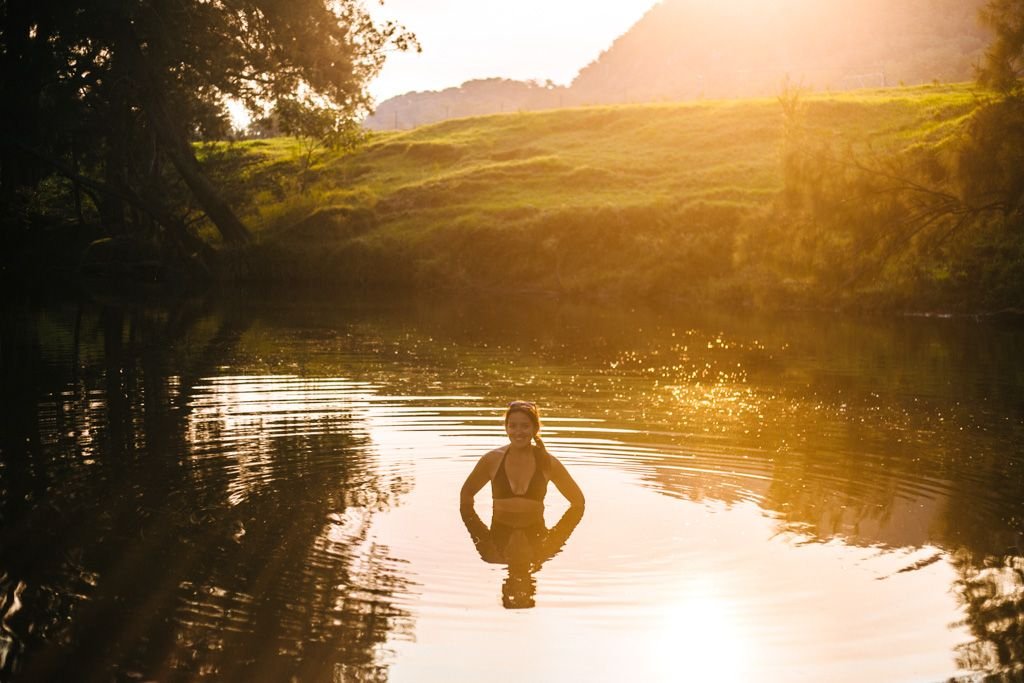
(636, 200)
(681, 202)
(659, 201)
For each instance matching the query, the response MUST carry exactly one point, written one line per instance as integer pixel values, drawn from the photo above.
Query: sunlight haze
(464, 40)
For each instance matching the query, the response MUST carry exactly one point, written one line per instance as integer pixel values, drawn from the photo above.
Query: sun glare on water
(702, 638)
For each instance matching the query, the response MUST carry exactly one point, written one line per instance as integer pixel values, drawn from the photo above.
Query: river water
(266, 488)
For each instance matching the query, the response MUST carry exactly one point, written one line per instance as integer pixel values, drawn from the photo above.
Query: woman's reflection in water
(523, 544)
(519, 474)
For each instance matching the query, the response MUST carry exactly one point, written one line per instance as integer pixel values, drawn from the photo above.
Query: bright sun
(703, 638)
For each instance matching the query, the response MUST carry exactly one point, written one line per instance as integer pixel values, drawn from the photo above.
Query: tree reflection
(993, 597)
(123, 553)
(523, 544)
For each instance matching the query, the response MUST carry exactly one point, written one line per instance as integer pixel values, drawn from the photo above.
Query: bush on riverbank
(928, 219)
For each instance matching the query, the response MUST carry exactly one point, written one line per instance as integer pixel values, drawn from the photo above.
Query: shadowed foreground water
(266, 490)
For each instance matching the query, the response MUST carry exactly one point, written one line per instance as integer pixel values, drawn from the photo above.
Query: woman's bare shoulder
(489, 461)
(491, 456)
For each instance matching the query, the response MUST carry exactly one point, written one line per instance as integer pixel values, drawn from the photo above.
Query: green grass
(638, 200)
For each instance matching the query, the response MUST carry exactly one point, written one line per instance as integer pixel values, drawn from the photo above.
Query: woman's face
(519, 428)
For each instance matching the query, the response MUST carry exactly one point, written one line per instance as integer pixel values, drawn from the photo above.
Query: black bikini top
(538, 486)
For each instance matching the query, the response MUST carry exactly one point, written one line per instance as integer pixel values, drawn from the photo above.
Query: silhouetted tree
(1004, 58)
(106, 95)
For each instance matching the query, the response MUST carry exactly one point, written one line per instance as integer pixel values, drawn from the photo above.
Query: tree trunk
(180, 153)
(173, 139)
(77, 186)
(115, 161)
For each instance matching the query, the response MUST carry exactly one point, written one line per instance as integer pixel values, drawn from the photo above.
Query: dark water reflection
(193, 490)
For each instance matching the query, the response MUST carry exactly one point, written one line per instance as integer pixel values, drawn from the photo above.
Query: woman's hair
(530, 410)
(527, 408)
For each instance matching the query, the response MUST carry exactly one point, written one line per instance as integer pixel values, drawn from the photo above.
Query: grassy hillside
(658, 201)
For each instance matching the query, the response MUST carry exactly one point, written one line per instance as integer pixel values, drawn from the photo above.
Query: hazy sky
(520, 39)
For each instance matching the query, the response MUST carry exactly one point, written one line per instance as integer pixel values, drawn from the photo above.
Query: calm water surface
(268, 490)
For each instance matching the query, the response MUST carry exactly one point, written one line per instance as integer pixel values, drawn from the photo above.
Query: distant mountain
(684, 49)
(689, 49)
(472, 98)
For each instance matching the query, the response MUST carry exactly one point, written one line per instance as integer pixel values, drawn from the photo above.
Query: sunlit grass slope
(641, 200)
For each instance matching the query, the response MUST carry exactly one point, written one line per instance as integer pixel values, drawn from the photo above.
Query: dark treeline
(101, 107)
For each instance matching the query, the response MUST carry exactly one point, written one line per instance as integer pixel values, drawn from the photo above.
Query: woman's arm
(566, 485)
(476, 480)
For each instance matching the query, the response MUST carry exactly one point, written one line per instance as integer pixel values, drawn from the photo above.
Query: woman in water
(519, 474)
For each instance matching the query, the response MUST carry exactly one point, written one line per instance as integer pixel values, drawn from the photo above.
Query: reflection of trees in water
(961, 492)
(127, 555)
(992, 593)
(300, 570)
